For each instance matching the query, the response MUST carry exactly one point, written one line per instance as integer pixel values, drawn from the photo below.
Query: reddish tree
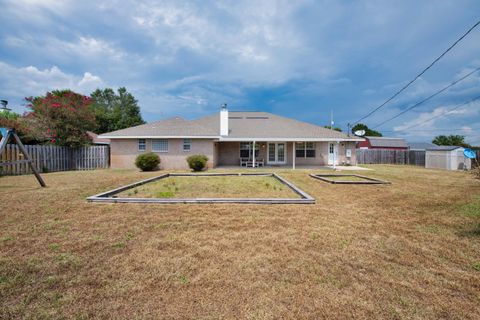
(61, 117)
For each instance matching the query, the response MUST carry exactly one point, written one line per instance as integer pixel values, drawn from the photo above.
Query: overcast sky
(299, 59)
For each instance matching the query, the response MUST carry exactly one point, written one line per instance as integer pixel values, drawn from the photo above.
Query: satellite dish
(359, 133)
(469, 153)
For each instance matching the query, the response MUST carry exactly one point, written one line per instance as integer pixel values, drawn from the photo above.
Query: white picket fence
(54, 158)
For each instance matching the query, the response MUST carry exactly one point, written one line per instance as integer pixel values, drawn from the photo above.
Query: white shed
(446, 157)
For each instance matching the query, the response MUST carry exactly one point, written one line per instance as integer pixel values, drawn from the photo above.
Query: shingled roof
(241, 124)
(384, 142)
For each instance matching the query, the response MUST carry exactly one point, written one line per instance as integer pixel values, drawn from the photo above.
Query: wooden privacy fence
(54, 158)
(476, 162)
(386, 156)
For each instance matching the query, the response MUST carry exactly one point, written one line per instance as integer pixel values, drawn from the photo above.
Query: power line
(434, 130)
(420, 74)
(440, 115)
(428, 98)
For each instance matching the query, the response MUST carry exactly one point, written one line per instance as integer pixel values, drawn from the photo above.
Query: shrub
(197, 162)
(147, 161)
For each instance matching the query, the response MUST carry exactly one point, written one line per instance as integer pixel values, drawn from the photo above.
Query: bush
(147, 161)
(197, 162)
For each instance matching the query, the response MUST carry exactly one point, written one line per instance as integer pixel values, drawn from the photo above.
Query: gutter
(226, 139)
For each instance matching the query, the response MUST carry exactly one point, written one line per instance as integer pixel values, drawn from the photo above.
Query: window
(305, 150)
(310, 149)
(300, 150)
(160, 145)
(142, 145)
(187, 146)
(246, 149)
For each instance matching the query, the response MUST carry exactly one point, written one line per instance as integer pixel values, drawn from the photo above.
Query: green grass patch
(165, 194)
(471, 209)
(213, 187)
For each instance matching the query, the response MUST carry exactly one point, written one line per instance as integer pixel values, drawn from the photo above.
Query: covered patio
(293, 154)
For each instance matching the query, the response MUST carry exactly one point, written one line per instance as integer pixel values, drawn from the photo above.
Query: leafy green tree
(115, 111)
(451, 140)
(61, 117)
(368, 132)
(333, 128)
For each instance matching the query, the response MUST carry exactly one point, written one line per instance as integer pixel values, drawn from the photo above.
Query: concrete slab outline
(110, 196)
(367, 180)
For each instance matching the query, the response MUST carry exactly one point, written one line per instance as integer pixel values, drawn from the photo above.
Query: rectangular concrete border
(368, 180)
(109, 196)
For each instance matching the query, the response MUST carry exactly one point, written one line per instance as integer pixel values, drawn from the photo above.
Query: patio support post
(253, 165)
(293, 155)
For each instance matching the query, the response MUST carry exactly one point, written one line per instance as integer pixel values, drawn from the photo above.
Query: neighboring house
(383, 143)
(231, 138)
(447, 157)
(420, 146)
(96, 140)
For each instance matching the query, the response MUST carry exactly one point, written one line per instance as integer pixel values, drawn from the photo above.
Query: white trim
(290, 139)
(219, 138)
(159, 137)
(294, 151)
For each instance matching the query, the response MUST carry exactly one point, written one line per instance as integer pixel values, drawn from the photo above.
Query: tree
(62, 117)
(9, 119)
(115, 111)
(333, 128)
(451, 140)
(368, 132)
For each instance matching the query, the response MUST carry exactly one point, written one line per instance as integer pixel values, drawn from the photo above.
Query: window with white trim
(142, 145)
(187, 145)
(160, 145)
(246, 149)
(305, 150)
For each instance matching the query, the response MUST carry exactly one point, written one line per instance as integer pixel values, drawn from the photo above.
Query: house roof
(420, 145)
(387, 142)
(444, 148)
(241, 125)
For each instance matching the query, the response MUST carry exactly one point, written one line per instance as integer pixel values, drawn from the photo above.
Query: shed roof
(387, 142)
(421, 145)
(444, 148)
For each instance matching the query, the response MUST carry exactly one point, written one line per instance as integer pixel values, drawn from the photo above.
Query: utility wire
(440, 115)
(433, 130)
(418, 75)
(428, 98)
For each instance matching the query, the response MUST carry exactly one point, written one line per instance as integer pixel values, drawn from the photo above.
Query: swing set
(8, 133)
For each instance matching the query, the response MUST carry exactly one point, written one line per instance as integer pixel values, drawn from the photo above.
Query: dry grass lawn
(212, 187)
(410, 250)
